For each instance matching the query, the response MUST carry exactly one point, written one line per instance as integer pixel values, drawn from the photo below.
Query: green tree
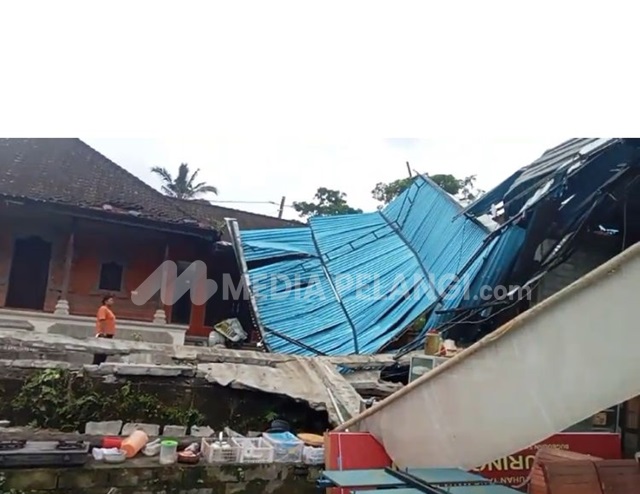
(464, 188)
(327, 202)
(449, 183)
(468, 190)
(184, 185)
(385, 193)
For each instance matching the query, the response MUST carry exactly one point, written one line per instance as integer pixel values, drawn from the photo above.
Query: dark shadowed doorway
(181, 310)
(29, 273)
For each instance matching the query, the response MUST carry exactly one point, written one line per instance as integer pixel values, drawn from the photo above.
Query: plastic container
(134, 443)
(117, 456)
(152, 448)
(111, 442)
(168, 452)
(188, 457)
(433, 344)
(219, 450)
(99, 453)
(313, 455)
(287, 447)
(253, 450)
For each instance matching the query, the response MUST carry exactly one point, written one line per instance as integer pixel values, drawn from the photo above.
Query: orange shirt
(106, 321)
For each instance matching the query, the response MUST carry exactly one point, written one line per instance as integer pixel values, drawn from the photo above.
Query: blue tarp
(352, 283)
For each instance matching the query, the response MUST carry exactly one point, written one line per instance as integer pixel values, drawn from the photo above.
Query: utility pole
(281, 210)
(409, 170)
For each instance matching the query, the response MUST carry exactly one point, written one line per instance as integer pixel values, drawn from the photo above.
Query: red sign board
(353, 451)
(514, 469)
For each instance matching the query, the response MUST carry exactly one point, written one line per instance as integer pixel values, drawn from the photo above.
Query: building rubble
(316, 381)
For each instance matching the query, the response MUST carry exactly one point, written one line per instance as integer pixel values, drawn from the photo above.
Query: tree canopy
(184, 185)
(385, 193)
(330, 202)
(327, 202)
(464, 189)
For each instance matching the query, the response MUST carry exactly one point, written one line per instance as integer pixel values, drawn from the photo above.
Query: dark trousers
(99, 358)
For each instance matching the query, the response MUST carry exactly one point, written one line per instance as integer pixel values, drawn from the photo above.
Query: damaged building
(339, 285)
(555, 219)
(345, 287)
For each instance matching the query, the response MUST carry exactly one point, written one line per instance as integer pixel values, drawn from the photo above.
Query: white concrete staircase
(574, 354)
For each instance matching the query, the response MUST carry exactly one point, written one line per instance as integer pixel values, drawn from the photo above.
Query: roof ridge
(192, 201)
(452, 199)
(163, 197)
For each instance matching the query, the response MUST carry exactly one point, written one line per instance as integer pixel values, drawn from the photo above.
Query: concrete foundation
(147, 476)
(80, 327)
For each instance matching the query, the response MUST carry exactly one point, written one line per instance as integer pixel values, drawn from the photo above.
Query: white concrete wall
(84, 327)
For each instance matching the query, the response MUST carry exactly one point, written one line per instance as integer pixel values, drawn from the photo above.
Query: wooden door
(29, 275)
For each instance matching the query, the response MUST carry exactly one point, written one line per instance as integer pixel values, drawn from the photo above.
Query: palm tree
(183, 186)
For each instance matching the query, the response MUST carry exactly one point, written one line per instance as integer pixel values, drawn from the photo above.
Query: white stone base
(160, 317)
(82, 327)
(62, 308)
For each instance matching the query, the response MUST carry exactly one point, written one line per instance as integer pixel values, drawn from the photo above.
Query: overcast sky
(255, 170)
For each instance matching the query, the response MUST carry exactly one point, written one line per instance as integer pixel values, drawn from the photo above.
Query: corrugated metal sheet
(352, 283)
(555, 164)
(264, 244)
(487, 271)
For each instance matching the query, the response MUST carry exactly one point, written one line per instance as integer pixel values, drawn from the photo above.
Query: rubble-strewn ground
(313, 380)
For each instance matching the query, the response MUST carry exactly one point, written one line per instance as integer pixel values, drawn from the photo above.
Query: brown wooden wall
(139, 250)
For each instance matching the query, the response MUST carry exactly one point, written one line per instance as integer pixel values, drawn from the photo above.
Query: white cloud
(261, 170)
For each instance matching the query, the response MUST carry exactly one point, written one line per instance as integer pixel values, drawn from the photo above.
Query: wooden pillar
(160, 316)
(198, 312)
(196, 323)
(62, 306)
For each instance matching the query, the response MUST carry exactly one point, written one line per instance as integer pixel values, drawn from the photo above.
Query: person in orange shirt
(105, 325)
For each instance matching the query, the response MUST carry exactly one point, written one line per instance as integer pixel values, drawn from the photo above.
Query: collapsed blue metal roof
(558, 169)
(351, 284)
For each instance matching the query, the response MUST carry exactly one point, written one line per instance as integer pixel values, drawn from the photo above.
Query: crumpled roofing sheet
(315, 284)
(314, 381)
(552, 169)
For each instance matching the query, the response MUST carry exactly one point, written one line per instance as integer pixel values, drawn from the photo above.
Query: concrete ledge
(36, 364)
(167, 334)
(146, 475)
(147, 370)
(16, 324)
(85, 331)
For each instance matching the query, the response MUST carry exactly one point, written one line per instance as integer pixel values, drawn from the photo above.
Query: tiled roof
(214, 216)
(71, 173)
